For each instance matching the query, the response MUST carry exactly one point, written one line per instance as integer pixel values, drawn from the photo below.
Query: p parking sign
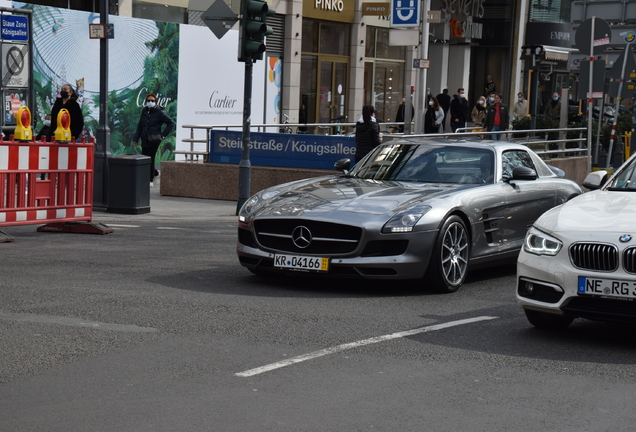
(405, 13)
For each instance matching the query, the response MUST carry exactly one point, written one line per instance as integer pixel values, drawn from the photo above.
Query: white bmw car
(579, 259)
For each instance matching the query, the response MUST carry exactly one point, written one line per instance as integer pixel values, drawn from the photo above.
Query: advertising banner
(284, 150)
(211, 82)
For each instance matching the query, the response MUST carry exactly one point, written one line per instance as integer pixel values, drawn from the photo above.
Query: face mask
(430, 103)
(481, 102)
(520, 99)
(556, 98)
(150, 104)
(462, 95)
(570, 97)
(64, 94)
(492, 99)
(47, 122)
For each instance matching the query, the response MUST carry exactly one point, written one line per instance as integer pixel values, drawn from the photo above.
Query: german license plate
(298, 262)
(607, 287)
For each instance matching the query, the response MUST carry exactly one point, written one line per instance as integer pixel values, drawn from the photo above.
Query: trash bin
(128, 184)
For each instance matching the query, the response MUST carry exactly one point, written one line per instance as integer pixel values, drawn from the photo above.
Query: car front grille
(594, 256)
(320, 237)
(629, 260)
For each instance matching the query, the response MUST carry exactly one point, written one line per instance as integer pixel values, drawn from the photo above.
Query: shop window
(334, 38)
(378, 45)
(311, 34)
(552, 11)
(326, 37)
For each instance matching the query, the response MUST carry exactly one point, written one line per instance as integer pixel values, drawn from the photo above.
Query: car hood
(597, 211)
(351, 195)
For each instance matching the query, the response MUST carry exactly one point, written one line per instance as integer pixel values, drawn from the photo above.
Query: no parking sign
(15, 65)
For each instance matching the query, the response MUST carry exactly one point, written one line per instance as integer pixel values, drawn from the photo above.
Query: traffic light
(253, 29)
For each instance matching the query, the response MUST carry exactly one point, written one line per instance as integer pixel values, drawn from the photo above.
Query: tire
(548, 321)
(448, 267)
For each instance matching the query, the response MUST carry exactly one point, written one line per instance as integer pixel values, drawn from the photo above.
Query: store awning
(555, 54)
(176, 3)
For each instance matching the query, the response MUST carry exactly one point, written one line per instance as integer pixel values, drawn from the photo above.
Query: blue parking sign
(405, 13)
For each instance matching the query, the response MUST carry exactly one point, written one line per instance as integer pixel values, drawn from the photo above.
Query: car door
(526, 200)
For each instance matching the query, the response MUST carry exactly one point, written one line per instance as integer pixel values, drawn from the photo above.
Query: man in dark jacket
(459, 110)
(497, 117)
(367, 133)
(149, 130)
(444, 101)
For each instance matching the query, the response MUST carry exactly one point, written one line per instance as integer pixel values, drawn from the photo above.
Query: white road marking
(74, 322)
(343, 347)
(123, 226)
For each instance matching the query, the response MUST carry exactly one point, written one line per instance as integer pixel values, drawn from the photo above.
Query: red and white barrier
(44, 182)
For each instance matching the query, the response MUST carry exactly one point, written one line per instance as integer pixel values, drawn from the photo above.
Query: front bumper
(555, 280)
(411, 264)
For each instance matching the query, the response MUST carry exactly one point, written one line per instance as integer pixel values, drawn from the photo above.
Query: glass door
(332, 102)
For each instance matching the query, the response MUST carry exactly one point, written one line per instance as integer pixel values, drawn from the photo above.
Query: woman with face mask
(434, 117)
(149, 129)
(477, 114)
(67, 100)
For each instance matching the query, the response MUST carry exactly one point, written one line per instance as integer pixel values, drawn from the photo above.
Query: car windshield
(428, 163)
(626, 178)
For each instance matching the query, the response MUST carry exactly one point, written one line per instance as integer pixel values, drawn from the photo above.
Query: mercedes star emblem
(301, 236)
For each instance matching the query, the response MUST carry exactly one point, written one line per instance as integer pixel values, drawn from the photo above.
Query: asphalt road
(156, 327)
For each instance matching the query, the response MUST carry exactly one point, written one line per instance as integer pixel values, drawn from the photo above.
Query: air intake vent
(276, 43)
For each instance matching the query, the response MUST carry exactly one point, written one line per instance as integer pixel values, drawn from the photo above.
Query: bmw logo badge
(625, 238)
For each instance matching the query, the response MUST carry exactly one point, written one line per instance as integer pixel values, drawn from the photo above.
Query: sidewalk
(174, 208)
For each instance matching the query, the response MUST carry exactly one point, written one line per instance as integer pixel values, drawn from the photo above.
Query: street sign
(421, 63)
(15, 65)
(219, 18)
(598, 86)
(405, 13)
(602, 36)
(15, 28)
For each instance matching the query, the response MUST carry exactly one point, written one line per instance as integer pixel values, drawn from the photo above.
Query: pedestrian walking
(478, 112)
(444, 101)
(520, 110)
(553, 108)
(367, 133)
(459, 110)
(497, 117)
(149, 130)
(433, 117)
(401, 114)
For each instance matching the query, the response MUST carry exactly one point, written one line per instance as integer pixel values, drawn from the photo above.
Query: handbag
(153, 138)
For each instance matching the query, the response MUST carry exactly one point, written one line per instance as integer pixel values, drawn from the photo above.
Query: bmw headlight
(250, 205)
(539, 243)
(405, 220)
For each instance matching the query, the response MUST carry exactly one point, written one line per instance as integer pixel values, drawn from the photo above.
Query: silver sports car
(418, 208)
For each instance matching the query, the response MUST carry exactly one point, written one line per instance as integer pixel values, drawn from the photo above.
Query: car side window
(514, 158)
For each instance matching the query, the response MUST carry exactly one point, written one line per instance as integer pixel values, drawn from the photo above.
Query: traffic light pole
(245, 167)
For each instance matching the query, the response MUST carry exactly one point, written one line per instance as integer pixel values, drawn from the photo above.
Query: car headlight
(539, 243)
(405, 220)
(250, 205)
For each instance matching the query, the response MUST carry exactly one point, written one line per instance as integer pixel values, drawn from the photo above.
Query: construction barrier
(48, 183)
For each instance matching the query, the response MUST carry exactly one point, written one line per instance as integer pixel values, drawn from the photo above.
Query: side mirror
(558, 171)
(523, 173)
(595, 180)
(342, 165)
